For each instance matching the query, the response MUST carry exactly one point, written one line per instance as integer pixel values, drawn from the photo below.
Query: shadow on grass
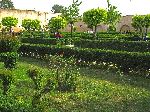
(115, 77)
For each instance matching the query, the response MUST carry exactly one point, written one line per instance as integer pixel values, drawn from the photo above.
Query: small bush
(9, 44)
(9, 59)
(66, 75)
(8, 51)
(36, 76)
(7, 80)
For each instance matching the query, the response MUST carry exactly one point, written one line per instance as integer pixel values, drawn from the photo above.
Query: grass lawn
(98, 91)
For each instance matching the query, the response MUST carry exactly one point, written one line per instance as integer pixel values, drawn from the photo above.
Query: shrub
(125, 61)
(8, 47)
(36, 76)
(7, 79)
(131, 46)
(65, 75)
(9, 59)
(50, 41)
(9, 44)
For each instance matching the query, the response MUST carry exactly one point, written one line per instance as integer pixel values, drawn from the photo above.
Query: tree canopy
(57, 23)
(9, 21)
(113, 16)
(57, 8)
(30, 24)
(6, 4)
(71, 13)
(141, 23)
(94, 17)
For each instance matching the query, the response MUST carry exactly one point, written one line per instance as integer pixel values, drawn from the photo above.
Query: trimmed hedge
(125, 61)
(130, 46)
(50, 41)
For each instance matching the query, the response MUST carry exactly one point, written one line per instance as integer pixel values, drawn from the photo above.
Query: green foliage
(50, 41)
(30, 24)
(9, 44)
(8, 48)
(71, 13)
(66, 74)
(9, 59)
(98, 90)
(130, 46)
(35, 75)
(147, 22)
(6, 4)
(7, 80)
(141, 23)
(57, 23)
(64, 78)
(113, 16)
(9, 21)
(94, 17)
(57, 8)
(125, 61)
(138, 22)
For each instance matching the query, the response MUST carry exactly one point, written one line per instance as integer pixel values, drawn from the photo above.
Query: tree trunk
(10, 31)
(146, 31)
(95, 29)
(71, 29)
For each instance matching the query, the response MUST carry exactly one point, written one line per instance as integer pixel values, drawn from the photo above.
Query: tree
(57, 23)
(71, 13)
(9, 22)
(57, 8)
(147, 22)
(6, 4)
(141, 23)
(30, 24)
(94, 17)
(113, 16)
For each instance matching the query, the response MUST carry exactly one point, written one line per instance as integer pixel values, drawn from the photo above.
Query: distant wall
(27, 14)
(124, 25)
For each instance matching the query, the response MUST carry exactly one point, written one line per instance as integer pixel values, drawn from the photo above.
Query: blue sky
(126, 7)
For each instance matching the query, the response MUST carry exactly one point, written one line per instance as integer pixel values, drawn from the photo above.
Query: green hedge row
(125, 61)
(131, 46)
(50, 41)
(83, 35)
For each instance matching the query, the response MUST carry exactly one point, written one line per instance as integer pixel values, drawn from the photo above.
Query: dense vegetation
(91, 72)
(98, 90)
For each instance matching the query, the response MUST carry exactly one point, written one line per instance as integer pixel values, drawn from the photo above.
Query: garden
(99, 72)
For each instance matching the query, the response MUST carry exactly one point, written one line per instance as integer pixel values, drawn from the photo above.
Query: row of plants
(49, 41)
(130, 46)
(82, 35)
(125, 61)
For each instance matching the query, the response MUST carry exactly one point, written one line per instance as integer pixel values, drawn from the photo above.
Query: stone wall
(27, 14)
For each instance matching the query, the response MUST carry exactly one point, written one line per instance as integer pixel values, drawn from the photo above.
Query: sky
(126, 7)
